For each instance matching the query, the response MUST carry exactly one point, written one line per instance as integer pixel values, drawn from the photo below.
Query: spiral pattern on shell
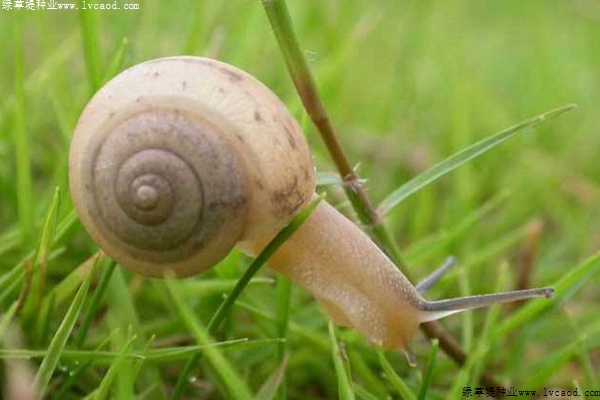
(171, 176)
(164, 184)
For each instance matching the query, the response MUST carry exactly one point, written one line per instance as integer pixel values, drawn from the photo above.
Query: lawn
(471, 88)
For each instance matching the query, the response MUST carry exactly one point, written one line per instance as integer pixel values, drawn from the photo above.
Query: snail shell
(177, 159)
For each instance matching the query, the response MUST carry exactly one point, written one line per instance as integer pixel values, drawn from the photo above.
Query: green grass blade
(325, 179)
(9, 241)
(72, 379)
(363, 371)
(65, 225)
(462, 157)
(44, 326)
(58, 342)
(344, 382)
(257, 264)
(25, 203)
(94, 304)
(12, 278)
(439, 243)
(48, 229)
(310, 335)
(215, 287)
(44, 72)
(123, 317)
(60, 293)
(91, 48)
(42, 255)
(397, 382)
(271, 386)
(6, 318)
(363, 394)
(231, 380)
(587, 364)
(162, 355)
(117, 368)
(117, 61)
(74, 376)
(435, 345)
(10, 281)
(143, 354)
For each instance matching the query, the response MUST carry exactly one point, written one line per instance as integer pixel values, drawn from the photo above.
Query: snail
(177, 160)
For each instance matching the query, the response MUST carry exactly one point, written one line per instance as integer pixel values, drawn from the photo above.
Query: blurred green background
(407, 84)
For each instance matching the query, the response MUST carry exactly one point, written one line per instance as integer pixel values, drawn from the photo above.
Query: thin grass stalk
(304, 82)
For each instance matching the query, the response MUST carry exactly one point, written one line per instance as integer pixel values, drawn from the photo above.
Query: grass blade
(60, 293)
(234, 384)
(48, 229)
(94, 305)
(42, 255)
(259, 261)
(217, 286)
(363, 394)
(9, 241)
(363, 372)
(25, 204)
(72, 379)
(397, 382)
(58, 342)
(310, 335)
(462, 157)
(435, 344)
(91, 48)
(270, 387)
(344, 381)
(122, 317)
(10, 281)
(13, 278)
(117, 61)
(67, 223)
(439, 243)
(115, 369)
(161, 355)
(6, 319)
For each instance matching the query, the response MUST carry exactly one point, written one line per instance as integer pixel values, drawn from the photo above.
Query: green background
(407, 84)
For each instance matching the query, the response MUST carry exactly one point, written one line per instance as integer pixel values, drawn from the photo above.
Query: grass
(415, 89)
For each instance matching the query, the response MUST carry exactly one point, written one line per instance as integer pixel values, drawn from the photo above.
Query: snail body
(177, 160)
